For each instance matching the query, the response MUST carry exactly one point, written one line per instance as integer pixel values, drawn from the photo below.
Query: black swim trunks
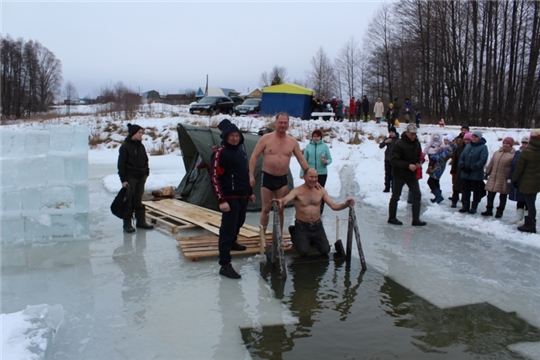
(272, 182)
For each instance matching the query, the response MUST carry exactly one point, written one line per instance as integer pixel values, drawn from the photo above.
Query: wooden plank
(197, 215)
(195, 247)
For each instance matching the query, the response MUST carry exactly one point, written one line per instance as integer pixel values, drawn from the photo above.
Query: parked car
(250, 106)
(213, 105)
(237, 100)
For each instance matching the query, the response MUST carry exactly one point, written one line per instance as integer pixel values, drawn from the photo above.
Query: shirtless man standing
(277, 149)
(308, 226)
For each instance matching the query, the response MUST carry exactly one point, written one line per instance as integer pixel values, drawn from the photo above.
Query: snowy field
(354, 149)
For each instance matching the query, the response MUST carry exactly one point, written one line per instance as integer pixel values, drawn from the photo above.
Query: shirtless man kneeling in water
(308, 228)
(277, 149)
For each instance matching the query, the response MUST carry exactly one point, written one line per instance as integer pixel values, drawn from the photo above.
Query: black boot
(228, 271)
(140, 215)
(488, 212)
(499, 213)
(529, 226)
(127, 225)
(392, 211)
(466, 206)
(416, 216)
(386, 189)
(455, 199)
(473, 208)
(237, 247)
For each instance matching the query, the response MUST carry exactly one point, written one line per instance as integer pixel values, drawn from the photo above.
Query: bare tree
(70, 95)
(49, 78)
(321, 76)
(190, 94)
(348, 65)
(277, 76)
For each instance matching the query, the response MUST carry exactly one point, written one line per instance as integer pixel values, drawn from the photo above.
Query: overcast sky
(172, 46)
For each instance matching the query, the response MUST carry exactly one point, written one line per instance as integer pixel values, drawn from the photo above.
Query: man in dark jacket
(455, 171)
(405, 160)
(133, 170)
(389, 143)
(230, 183)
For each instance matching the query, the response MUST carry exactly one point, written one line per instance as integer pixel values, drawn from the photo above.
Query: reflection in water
(338, 319)
(130, 258)
(482, 328)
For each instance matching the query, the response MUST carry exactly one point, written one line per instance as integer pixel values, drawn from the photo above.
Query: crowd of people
(358, 110)
(510, 173)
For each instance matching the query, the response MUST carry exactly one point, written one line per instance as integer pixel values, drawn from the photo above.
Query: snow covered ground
(111, 300)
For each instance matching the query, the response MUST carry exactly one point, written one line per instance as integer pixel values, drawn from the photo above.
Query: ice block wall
(44, 184)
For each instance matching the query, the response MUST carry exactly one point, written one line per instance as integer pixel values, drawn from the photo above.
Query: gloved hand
(466, 169)
(509, 182)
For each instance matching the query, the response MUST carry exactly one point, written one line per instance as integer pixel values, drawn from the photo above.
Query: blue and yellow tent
(293, 99)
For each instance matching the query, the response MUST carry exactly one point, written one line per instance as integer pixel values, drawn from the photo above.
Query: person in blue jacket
(318, 157)
(471, 162)
(230, 182)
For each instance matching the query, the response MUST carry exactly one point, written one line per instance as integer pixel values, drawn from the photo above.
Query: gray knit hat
(477, 133)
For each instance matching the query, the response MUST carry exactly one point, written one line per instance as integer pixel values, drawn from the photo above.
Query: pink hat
(467, 136)
(509, 140)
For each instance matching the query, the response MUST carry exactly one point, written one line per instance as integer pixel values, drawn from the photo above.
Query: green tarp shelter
(196, 144)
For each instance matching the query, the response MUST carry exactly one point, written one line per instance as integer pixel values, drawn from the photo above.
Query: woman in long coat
(527, 173)
(515, 194)
(472, 162)
(498, 170)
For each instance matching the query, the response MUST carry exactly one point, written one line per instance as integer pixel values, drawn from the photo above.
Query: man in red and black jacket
(230, 183)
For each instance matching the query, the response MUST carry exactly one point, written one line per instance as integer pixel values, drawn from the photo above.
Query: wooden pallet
(176, 215)
(195, 247)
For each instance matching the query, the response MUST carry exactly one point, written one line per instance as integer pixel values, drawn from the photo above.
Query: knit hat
(223, 123)
(449, 137)
(509, 140)
(411, 128)
(316, 132)
(392, 128)
(535, 134)
(467, 136)
(477, 133)
(525, 139)
(465, 127)
(133, 129)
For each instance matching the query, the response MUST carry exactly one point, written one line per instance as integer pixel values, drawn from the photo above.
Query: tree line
(31, 77)
(472, 62)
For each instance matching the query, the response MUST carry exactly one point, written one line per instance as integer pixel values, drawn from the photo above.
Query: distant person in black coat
(133, 170)
(365, 107)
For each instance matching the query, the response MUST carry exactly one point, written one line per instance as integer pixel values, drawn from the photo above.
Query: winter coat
(132, 160)
(389, 146)
(455, 170)
(515, 194)
(407, 108)
(229, 173)
(333, 103)
(405, 153)
(498, 170)
(528, 168)
(473, 159)
(352, 107)
(391, 116)
(313, 153)
(418, 117)
(365, 105)
(378, 109)
(434, 145)
(440, 159)
(339, 109)
(358, 107)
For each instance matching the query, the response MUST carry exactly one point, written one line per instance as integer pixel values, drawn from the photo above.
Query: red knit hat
(509, 140)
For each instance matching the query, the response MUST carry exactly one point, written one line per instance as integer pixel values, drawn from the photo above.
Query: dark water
(346, 314)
